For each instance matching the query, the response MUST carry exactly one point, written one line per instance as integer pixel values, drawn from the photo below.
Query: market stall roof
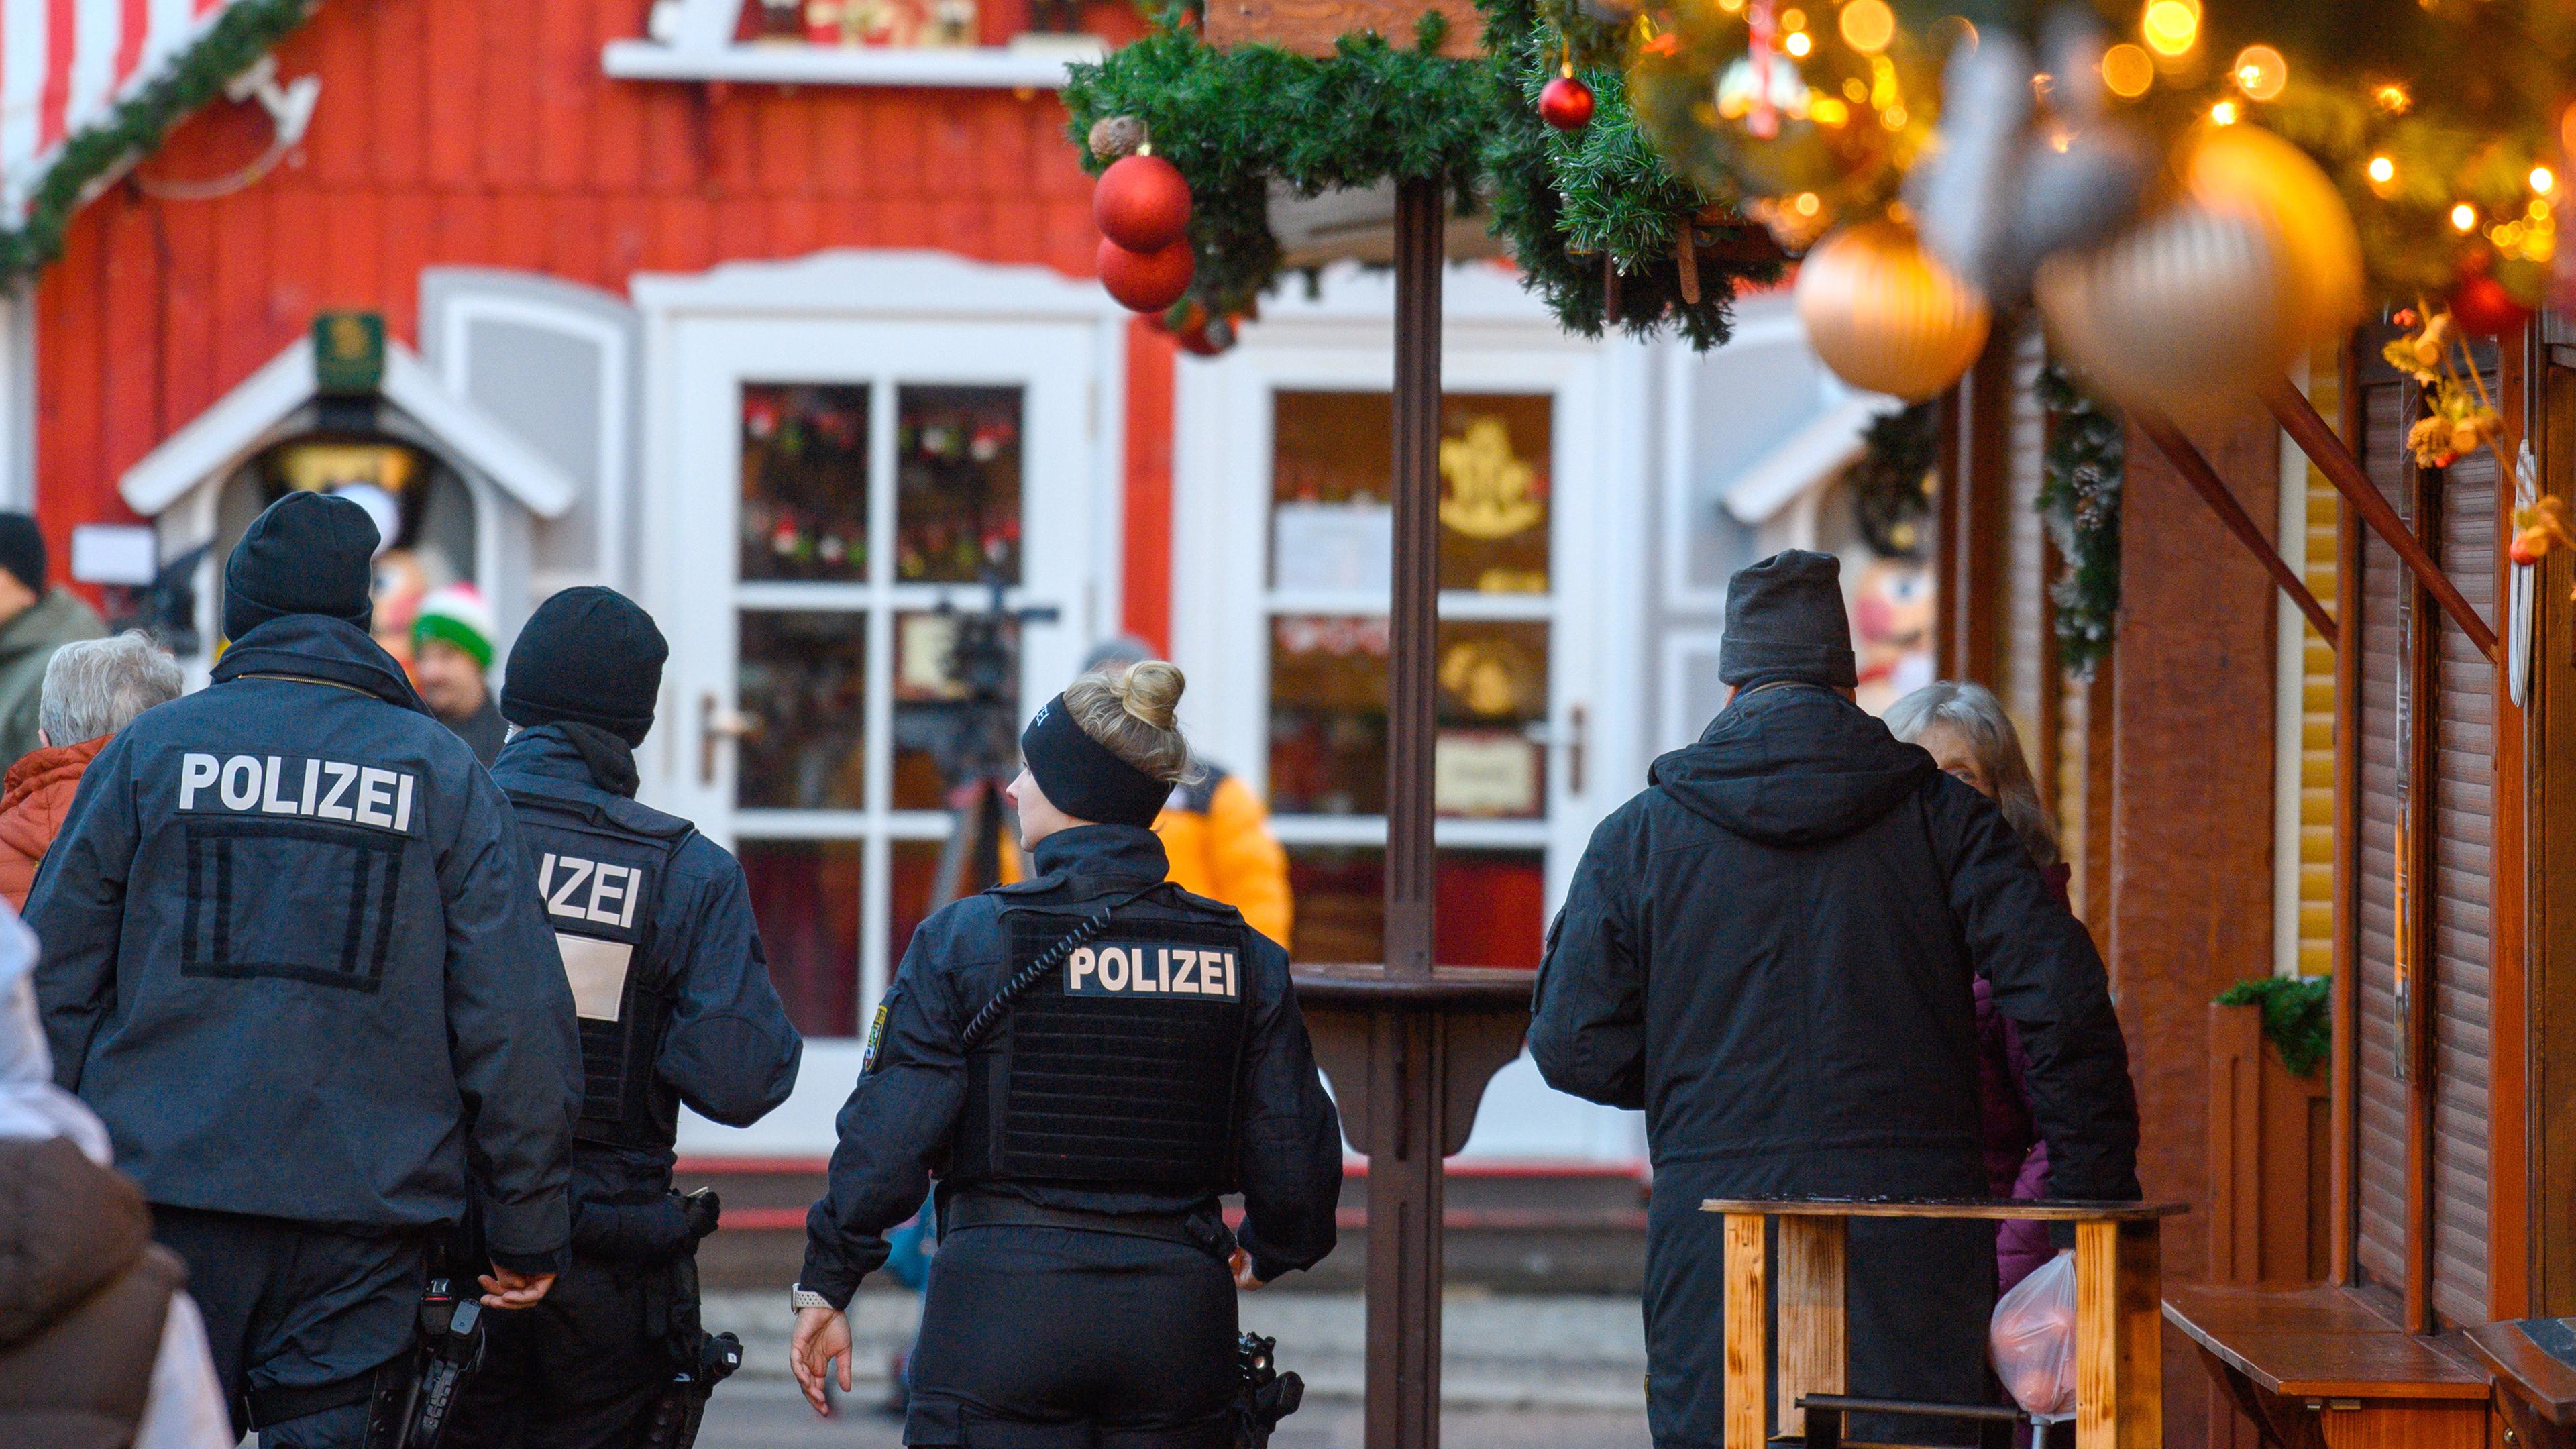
(1813, 455)
(249, 417)
(88, 87)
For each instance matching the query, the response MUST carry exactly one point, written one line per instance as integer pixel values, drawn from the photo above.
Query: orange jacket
(34, 796)
(1217, 833)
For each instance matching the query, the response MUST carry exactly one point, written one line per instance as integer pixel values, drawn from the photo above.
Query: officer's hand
(822, 1335)
(505, 1288)
(1243, 1275)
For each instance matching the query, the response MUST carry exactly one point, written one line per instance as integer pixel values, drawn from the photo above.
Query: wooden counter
(2321, 1368)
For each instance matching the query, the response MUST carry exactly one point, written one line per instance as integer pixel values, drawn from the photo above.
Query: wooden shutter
(2463, 787)
(2379, 1243)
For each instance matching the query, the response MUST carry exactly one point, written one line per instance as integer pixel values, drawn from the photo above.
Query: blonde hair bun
(1150, 691)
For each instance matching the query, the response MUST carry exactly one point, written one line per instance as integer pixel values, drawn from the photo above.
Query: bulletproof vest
(1118, 1069)
(599, 871)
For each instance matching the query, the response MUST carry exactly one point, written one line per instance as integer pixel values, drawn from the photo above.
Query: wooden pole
(2204, 480)
(2298, 417)
(1408, 1126)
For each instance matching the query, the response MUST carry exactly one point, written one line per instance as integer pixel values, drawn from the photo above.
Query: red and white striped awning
(65, 65)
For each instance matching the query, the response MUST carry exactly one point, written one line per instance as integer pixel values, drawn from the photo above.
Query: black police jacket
(725, 1046)
(292, 959)
(902, 1117)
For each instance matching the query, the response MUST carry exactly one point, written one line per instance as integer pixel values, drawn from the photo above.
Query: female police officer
(1086, 1059)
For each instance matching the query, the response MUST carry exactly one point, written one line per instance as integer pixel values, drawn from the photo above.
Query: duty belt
(993, 1210)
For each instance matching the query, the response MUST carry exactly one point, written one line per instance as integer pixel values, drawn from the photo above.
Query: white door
(838, 489)
(1281, 484)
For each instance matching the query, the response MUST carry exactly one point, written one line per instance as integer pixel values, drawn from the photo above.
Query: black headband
(1082, 777)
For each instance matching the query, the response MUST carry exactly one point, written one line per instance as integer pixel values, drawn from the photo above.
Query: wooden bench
(2321, 1367)
(2119, 1353)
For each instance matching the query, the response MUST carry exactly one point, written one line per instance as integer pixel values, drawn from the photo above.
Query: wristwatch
(800, 1298)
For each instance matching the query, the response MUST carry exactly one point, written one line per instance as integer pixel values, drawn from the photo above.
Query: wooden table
(2535, 1389)
(2321, 1367)
(2119, 1353)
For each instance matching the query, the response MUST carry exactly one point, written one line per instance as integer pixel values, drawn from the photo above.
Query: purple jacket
(2016, 1160)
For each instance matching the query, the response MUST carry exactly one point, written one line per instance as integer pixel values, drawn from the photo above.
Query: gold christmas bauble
(1885, 316)
(2248, 171)
(2186, 313)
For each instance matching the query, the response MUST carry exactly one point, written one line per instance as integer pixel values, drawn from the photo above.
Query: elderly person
(1770, 951)
(1965, 730)
(91, 689)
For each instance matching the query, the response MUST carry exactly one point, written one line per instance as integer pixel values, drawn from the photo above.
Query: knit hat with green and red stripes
(456, 615)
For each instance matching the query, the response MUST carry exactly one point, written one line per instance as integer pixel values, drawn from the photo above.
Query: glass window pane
(915, 872)
(1330, 527)
(1328, 717)
(1493, 692)
(804, 481)
(802, 680)
(1487, 906)
(805, 894)
(957, 484)
(942, 734)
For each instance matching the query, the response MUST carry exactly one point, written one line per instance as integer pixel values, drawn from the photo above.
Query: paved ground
(769, 1414)
(1501, 1350)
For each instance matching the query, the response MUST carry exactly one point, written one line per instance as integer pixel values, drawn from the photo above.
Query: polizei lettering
(1152, 969)
(589, 890)
(290, 785)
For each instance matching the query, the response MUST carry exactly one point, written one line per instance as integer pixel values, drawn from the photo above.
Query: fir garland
(2079, 498)
(1891, 484)
(1234, 122)
(244, 33)
(2298, 1016)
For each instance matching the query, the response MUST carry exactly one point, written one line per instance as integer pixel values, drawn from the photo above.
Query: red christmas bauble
(1146, 281)
(1141, 203)
(1566, 104)
(2482, 306)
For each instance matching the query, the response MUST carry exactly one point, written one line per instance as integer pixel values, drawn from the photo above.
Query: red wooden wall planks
(482, 132)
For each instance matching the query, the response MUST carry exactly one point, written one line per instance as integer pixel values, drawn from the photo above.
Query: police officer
(654, 925)
(292, 959)
(1087, 1058)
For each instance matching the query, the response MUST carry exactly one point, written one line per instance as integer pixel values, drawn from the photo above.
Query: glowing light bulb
(2464, 217)
(2171, 27)
(1868, 25)
(2382, 171)
(2260, 72)
(1808, 203)
(2393, 99)
(2224, 113)
(2542, 180)
(1797, 44)
(2128, 71)
(1793, 19)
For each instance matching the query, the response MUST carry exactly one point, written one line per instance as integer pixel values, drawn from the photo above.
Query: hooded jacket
(1771, 952)
(27, 645)
(292, 959)
(34, 798)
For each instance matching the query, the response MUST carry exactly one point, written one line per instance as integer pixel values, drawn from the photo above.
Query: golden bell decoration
(2186, 313)
(2248, 171)
(1885, 316)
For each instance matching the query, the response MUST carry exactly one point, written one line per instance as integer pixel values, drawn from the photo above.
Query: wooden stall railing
(2119, 1268)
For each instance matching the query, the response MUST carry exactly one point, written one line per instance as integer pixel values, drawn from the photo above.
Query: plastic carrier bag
(2033, 1339)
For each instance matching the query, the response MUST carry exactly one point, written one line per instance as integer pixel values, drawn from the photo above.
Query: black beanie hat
(308, 553)
(1785, 623)
(22, 551)
(589, 656)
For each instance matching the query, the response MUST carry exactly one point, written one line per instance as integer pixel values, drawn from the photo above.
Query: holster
(699, 1360)
(410, 1396)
